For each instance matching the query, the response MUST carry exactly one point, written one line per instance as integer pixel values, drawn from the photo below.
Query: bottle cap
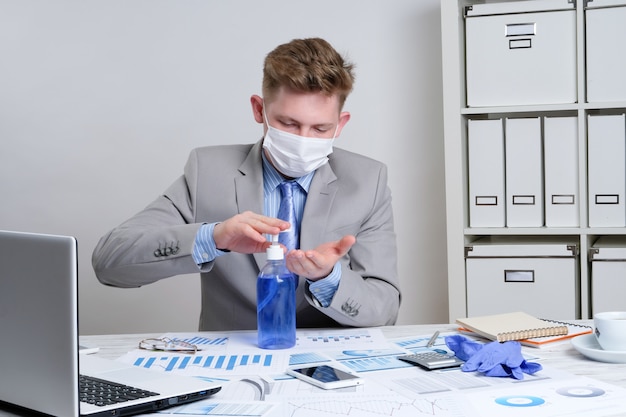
(275, 251)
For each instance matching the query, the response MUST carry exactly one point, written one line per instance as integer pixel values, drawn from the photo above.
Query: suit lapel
(316, 211)
(249, 188)
(317, 208)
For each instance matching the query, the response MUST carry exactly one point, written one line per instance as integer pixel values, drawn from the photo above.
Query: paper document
(391, 388)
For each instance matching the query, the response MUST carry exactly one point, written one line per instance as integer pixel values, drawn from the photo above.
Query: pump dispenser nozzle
(274, 251)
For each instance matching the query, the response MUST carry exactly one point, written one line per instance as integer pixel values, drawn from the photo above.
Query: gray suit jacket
(349, 195)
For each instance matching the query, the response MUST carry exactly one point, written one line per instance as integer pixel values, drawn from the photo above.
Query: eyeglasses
(168, 345)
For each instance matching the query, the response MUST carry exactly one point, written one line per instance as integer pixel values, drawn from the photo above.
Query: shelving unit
(457, 113)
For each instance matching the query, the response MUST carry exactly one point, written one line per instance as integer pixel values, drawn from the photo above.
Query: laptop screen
(38, 322)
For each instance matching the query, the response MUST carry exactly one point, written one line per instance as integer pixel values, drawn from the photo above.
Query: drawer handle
(486, 200)
(512, 275)
(524, 200)
(521, 29)
(520, 43)
(607, 198)
(563, 199)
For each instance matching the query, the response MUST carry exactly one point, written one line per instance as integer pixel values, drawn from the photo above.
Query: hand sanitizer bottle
(276, 301)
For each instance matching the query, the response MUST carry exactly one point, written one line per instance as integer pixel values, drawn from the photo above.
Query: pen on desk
(433, 339)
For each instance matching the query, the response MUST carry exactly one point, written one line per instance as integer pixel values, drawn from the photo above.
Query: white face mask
(294, 155)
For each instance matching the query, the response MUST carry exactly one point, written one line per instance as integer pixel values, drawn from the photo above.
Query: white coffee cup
(611, 330)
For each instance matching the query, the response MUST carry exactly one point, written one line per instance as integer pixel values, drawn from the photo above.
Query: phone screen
(325, 373)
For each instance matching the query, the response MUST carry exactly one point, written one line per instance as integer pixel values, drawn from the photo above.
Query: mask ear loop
(267, 122)
(336, 129)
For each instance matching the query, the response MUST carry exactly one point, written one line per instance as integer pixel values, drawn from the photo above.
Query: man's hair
(308, 65)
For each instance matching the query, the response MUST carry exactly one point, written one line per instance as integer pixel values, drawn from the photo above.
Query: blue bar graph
(228, 363)
(338, 338)
(204, 341)
(309, 357)
(375, 364)
(420, 342)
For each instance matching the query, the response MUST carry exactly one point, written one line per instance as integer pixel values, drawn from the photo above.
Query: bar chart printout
(210, 364)
(203, 342)
(200, 340)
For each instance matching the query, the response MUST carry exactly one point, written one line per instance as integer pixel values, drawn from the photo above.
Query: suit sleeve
(154, 244)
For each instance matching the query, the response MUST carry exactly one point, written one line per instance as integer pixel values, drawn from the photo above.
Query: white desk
(562, 355)
(559, 356)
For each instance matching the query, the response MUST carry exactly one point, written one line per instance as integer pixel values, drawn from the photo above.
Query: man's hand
(245, 232)
(319, 262)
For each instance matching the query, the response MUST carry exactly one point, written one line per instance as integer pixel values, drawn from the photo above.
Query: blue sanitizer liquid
(276, 306)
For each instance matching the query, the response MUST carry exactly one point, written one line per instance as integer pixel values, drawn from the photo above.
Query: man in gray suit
(214, 219)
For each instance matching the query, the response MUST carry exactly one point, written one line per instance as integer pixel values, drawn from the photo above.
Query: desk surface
(560, 356)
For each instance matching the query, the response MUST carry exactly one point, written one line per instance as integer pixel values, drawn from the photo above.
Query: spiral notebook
(574, 330)
(513, 326)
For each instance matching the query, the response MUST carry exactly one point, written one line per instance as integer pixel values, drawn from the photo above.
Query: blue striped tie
(287, 212)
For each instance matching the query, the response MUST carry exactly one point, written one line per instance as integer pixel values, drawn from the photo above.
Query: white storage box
(538, 276)
(524, 172)
(606, 58)
(606, 170)
(518, 57)
(485, 156)
(560, 152)
(608, 274)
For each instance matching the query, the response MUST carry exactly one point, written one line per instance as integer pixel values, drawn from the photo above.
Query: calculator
(432, 360)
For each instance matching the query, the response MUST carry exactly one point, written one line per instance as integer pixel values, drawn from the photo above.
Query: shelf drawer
(516, 58)
(540, 277)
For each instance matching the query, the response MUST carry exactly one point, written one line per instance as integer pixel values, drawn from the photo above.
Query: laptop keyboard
(100, 392)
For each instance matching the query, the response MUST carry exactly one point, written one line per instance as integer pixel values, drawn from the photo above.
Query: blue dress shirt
(205, 250)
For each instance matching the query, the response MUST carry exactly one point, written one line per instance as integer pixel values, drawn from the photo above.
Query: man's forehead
(286, 93)
(303, 105)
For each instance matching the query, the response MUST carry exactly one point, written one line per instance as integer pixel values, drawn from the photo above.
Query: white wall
(101, 101)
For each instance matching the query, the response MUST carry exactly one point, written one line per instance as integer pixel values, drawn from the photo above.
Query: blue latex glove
(462, 347)
(492, 359)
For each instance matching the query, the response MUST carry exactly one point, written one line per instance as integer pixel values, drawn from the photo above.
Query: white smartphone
(325, 376)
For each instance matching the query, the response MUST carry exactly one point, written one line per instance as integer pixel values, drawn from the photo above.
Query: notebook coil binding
(532, 333)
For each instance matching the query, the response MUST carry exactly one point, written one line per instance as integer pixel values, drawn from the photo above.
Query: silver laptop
(39, 359)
